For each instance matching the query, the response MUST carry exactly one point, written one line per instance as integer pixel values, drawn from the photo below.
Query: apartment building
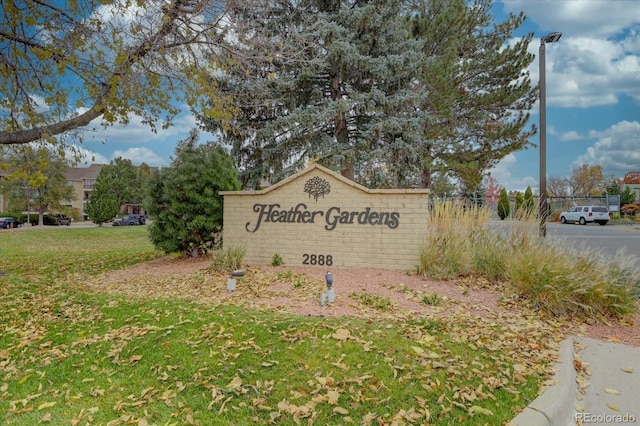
(82, 179)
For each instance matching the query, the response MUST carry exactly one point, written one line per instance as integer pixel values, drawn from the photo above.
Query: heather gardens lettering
(332, 217)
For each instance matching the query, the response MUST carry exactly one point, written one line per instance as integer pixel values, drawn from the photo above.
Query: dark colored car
(52, 220)
(130, 219)
(8, 223)
(62, 219)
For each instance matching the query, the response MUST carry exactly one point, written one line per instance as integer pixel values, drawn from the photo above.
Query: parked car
(51, 220)
(586, 214)
(8, 223)
(130, 219)
(62, 219)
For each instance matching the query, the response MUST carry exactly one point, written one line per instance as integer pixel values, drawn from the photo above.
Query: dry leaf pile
(360, 292)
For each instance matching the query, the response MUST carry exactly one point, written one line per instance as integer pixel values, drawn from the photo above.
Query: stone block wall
(319, 218)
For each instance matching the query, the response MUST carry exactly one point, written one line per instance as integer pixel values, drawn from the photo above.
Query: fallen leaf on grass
(235, 383)
(332, 397)
(479, 410)
(46, 405)
(341, 334)
(135, 358)
(417, 349)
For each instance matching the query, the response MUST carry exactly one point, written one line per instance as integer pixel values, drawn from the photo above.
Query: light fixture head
(551, 37)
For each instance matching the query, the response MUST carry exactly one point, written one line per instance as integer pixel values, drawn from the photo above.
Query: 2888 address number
(317, 259)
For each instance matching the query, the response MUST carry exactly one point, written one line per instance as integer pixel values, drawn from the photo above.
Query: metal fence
(561, 204)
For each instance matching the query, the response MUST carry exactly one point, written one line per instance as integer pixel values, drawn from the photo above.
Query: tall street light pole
(543, 211)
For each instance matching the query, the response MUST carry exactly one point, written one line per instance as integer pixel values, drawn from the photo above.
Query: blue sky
(593, 96)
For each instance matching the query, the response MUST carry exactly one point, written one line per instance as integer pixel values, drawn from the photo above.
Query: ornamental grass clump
(447, 251)
(552, 276)
(228, 259)
(563, 281)
(488, 254)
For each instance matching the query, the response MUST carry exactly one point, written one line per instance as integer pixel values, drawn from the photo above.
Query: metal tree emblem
(317, 187)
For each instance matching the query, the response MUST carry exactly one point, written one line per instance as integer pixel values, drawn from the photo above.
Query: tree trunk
(425, 179)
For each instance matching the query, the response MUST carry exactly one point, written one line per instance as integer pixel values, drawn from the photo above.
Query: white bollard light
(331, 294)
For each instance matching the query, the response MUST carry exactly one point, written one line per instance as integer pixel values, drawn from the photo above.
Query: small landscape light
(331, 294)
(231, 282)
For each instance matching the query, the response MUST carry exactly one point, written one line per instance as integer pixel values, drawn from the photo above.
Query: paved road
(610, 240)
(614, 240)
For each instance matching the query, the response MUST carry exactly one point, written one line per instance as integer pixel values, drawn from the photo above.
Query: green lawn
(68, 356)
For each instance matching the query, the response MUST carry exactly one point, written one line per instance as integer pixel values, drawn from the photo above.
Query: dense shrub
(184, 199)
(47, 219)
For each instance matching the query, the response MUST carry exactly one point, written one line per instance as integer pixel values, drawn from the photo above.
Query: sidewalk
(596, 383)
(612, 393)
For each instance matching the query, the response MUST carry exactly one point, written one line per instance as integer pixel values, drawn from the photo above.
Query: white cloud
(135, 132)
(141, 155)
(585, 72)
(600, 18)
(137, 142)
(87, 157)
(617, 149)
(598, 56)
(503, 172)
(571, 136)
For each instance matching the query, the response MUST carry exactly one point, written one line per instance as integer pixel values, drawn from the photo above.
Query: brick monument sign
(318, 217)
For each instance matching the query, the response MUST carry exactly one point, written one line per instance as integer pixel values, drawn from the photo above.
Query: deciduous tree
(41, 175)
(558, 186)
(586, 180)
(632, 177)
(65, 64)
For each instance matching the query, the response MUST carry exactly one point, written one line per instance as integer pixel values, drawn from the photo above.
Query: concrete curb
(556, 406)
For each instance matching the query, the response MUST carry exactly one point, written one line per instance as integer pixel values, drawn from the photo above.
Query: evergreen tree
(120, 180)
(612, 189)
(627, 196)
(473, 196)
(518, 203)
(442, 185)
(529, 203)
(385, 91)
(184, 198)
(504, 209)
(477, 92)
(103, 205)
